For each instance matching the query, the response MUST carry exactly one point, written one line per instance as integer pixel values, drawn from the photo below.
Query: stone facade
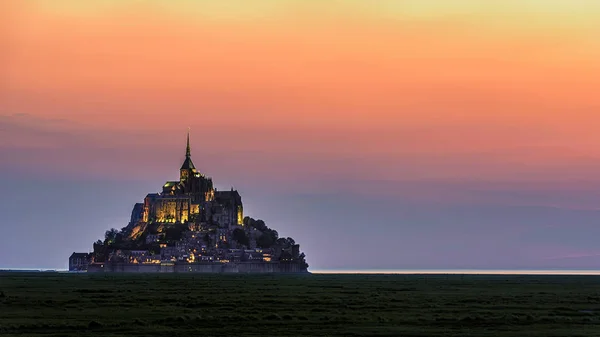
(78, 261)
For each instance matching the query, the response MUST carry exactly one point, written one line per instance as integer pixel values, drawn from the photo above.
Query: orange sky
(420, 90)
(463, 130)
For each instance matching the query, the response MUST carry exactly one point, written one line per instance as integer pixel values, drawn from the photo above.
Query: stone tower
(187, 169)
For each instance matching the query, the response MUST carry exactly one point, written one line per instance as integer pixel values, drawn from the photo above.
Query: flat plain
(57, 304)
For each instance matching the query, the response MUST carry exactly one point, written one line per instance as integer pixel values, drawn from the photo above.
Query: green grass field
(50, 304)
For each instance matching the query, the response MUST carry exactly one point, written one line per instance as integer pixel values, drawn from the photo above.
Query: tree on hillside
(110, 236)
(285, 242)
(302, 260)
(240, 236)
(269, 236)
(99, 251)
(267, 239)
(260, 225)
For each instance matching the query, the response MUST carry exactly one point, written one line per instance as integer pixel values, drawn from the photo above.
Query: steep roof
(79, 255)
(170, 183)
(188, 164)
(228, 196)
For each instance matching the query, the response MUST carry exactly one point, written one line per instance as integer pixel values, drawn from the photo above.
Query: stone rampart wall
(207, 267)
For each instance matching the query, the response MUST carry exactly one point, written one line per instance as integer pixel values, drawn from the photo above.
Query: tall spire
(187, 164)
(187, 150)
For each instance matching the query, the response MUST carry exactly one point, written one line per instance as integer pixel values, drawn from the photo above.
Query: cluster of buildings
(185, 254)
(189, 222)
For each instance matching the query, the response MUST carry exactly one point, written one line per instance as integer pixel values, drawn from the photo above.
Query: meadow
(57, 304)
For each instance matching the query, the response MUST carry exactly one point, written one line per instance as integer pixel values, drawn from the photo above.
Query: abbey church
(190, 199)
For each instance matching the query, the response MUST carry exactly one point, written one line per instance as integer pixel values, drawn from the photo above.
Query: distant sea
(406, 271)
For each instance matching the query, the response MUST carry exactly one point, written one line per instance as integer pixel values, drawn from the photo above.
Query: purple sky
(358, 223)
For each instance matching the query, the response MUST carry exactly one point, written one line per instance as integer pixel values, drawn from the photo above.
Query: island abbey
(190, 226)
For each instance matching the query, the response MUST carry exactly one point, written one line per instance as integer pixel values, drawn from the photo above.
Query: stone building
(190, 199)
(79, 261)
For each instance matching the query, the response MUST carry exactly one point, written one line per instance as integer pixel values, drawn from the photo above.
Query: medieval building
(190, 199)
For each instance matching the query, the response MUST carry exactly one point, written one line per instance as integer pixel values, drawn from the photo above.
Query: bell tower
(188, 168)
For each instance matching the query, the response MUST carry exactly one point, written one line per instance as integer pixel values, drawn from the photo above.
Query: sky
(378, 134)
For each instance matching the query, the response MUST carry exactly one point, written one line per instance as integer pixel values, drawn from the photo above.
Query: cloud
(575, 256)
(56, 147)
(22, 130)
(305, 160)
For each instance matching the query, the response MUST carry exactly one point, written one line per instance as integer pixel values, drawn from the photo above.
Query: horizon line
(460, 271)
(447, 271)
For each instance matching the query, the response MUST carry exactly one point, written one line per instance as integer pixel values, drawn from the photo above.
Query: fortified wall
(202, 267)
